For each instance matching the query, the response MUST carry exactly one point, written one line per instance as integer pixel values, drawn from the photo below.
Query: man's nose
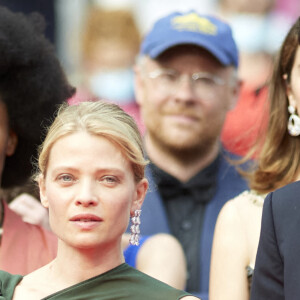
(184, 90)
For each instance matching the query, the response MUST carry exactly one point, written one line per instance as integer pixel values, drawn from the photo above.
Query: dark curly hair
(32, 85)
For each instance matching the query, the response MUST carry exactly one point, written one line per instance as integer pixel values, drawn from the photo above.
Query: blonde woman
(91, 179)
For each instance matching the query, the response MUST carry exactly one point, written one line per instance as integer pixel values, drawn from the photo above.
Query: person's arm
(268, 272)
(162, 257)
(30, 209)
(228, 276)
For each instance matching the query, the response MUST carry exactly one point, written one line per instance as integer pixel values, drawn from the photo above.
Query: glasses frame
(193, 77)
(210, 82)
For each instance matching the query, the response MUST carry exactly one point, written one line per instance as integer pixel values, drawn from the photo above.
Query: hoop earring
(135, 228)
(294, 122)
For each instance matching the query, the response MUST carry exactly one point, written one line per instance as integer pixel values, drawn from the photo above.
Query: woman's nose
(87, 195)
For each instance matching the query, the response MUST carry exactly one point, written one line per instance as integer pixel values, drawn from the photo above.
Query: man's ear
(11, 143)
(42, 187)
(138, 84)
(140, 193)
(235, 93)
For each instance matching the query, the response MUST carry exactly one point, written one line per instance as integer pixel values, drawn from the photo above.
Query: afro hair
(32, 85)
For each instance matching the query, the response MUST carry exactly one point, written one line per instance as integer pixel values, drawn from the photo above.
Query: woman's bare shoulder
(34, 285)
(245, 206)
(249, 198)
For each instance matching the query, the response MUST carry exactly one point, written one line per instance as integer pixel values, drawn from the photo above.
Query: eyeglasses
(202, 84)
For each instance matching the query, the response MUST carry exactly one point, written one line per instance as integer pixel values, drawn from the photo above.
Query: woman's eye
(109, 179)
(65, 178)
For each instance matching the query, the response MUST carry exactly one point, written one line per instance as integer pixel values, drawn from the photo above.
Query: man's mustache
(182, 112)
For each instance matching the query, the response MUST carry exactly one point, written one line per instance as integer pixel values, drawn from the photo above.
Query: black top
(277, 268)
(185, 204)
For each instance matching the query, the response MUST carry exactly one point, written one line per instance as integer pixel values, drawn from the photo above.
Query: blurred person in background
(258, 31)
(110, 43)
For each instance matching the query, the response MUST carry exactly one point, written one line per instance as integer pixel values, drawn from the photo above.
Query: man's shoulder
(286, 195)
(282, 209)
(230, 182)
(290, 188)
(228, 159)
(228, 170)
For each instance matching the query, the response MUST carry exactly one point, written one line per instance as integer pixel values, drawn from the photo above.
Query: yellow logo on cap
(192, 22)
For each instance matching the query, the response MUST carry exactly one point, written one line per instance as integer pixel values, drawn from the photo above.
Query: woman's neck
(73, 265)
(70, 267)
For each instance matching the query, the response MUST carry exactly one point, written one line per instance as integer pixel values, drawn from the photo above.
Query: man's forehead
(177, 52)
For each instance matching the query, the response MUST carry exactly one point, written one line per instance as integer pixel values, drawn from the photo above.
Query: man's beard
(191, 141)
(186, 153)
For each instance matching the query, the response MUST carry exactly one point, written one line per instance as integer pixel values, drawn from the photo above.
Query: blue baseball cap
(191, 28)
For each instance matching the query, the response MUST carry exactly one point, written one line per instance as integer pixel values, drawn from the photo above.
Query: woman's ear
(141, 190)
(288, 92)
(292, 101)
(11, 143)
(42, 187)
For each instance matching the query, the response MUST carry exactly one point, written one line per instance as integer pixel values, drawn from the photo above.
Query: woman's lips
(86, 221)
(86, 217)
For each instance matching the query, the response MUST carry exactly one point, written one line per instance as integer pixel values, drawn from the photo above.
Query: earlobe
(291, 100)
(42, 188)
(12, 143)
(141, 190)
(288, 91)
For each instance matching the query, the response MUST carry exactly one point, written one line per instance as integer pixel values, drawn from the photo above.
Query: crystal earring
(135, 228)
(294, 122)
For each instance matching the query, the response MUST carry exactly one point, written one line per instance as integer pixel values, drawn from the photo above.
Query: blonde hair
(278, 161)
(101, 119)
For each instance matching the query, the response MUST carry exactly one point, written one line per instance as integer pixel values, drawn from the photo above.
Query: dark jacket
(277, 267)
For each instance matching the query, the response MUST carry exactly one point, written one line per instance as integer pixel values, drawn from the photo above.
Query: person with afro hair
(32, 85)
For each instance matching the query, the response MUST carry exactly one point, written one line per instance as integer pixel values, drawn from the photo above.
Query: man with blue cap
(186, 81)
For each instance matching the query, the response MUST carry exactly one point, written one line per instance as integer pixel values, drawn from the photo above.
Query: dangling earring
(294, 122)
(135, 228)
